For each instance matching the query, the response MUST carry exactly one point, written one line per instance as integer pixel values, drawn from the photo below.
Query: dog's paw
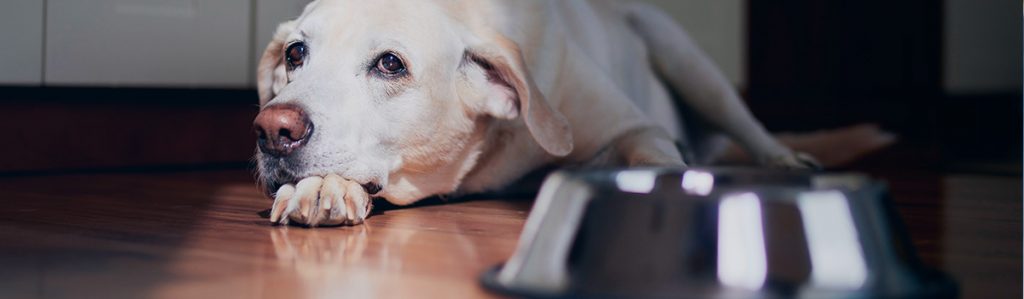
(320, 201)
(792, 160)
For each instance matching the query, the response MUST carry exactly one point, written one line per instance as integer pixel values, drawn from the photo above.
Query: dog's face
(397, 94)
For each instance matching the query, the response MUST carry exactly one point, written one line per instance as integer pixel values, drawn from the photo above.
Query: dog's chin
(275, 172)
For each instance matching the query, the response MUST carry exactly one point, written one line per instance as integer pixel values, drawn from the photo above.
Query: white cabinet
(148, 43)
(21, 42)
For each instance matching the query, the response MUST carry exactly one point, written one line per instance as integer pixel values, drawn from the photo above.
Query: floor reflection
(981, 244)
(370, 260)
(312, 248)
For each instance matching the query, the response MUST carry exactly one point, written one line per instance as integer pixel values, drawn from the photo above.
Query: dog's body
(485, 91)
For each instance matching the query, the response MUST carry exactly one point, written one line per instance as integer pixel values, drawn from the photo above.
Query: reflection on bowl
(714, 233)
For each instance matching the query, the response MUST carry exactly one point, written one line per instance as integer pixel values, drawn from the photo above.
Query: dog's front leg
(319, 201)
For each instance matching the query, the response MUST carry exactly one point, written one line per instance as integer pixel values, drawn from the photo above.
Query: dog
(403, 100)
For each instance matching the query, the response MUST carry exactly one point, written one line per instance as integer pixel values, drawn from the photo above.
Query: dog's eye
(389, 64)
(295, 54)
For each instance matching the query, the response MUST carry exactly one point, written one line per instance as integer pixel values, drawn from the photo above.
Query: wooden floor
(200, 235)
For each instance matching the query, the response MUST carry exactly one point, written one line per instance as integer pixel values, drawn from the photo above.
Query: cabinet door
(147, 43)
(21, 58)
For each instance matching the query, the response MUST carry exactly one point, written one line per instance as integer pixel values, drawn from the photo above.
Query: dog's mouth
(275, 172)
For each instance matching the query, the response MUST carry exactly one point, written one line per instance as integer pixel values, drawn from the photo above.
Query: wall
(982, 46)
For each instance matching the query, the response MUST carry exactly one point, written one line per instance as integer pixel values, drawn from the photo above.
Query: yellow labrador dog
(403, 100)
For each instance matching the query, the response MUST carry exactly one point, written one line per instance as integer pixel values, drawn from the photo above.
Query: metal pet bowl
(714, 233)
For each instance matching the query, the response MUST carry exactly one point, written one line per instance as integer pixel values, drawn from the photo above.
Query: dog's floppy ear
(512, 85)
(271, 74)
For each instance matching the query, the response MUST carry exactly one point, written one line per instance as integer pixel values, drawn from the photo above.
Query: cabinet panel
(175, 43)
(22, 60)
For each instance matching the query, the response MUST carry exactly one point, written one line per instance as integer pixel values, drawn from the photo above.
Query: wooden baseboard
(74, 129)
(67, 129)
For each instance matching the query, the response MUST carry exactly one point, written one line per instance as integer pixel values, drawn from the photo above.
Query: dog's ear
(271, 74)
(510, 86)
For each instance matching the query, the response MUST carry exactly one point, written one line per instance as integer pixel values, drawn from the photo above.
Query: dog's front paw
(792, 160)
(328, 200)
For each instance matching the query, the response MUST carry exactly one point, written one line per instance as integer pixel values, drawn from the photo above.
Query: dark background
(822, 64)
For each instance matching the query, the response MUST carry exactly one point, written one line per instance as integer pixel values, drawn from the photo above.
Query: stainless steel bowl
(714, 233)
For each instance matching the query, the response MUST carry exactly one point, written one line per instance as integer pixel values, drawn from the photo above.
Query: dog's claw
(793, 160)
(807, 161)
(328, 200)
(281, 198)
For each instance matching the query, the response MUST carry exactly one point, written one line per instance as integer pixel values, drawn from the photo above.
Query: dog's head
(396, 94)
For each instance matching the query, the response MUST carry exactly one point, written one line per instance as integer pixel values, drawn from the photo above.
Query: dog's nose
(282, 129)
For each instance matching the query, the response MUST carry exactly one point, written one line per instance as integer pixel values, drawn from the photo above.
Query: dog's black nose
(282, 129)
